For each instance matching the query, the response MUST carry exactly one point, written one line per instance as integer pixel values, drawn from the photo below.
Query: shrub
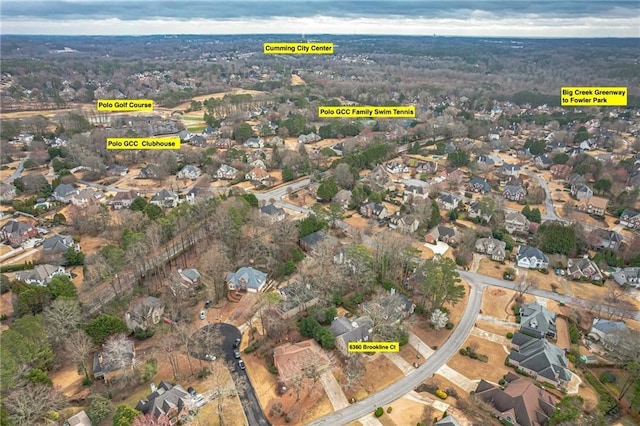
(389, 409)
(441, 394)
(204, 373)
(502, 382)
(509, 335)
(607, 377)
(449, 325)
(141, 334)
(379, 412)
(463, 352)
(149, 369)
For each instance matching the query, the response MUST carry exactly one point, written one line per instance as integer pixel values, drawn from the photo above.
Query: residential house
(478, 185)
(86, 196)
(488, 160)
(226, 172)
(7, 192)
(15, 233)
(64, 192)
(443, 233)
(542, 161)
(343, 198)
(374, 210)
(169, 400)
(189, 172)
(273, 213)
(426, 167)
(520, 403)
(496, 249)
(538, 321)
(583, 268)
(414, 192)
(338, 148)
(54, 249)
(310, 242)
(151, 171)
(224, 143)
(630, 219)
(310, 138)
(199, 141)
(117, 170)
(508, 180)
(531, 258)
(611, 335)
(378, 180)
(210, 132)
(405, 224)
(41, 275)
(396, 167)
(345, 330)
(581, 191)
(553, 145)
(190, 276)
(627, 277)
(246, 278)
(596, 206)
(449, 420)
(257, 175)
(185, 135)
(516, 222)
(514, 193)
(604, 239)
(541, 360)
(145, 314)
(165, 199)
(290, 359)
(392, 307)
(448, 201)
(296, 297)
(575, 179)
(560, 171)
(509, 169)
(254, 143)
(123, 200)
(79, 419)
(258, 164)
(475, 212)
(198, 194)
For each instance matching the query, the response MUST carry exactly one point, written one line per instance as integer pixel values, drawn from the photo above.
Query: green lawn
(196, 128)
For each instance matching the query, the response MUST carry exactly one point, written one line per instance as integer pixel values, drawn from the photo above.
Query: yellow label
(125, 105)
(366, 112)
(310, 48)
(593, 96)
(374, 347)
(143, 143)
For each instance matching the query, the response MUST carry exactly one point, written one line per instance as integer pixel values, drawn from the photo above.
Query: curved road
(15, 174)
(415, 378)
(548, 202)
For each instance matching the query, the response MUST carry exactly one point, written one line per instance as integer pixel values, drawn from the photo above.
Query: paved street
(15, 175)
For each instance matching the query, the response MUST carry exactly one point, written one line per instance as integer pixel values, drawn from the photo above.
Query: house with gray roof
(64, 192)
(343, 198)
(583, 268)
(190, 276)
(514, 192)
(492, 247)
(272, 213)
(475, 211)
(226, 172)
(519, 403)
(449, 420)
(54, 249)
(540, 359)
(448, 201)
(145, 314)
(41, 275)
(310, 242)
(610, 334)
(393, 307)
(627, 277)
(478, 185)
(630, 219)
(79, 419)
(531, 258)
(189, 172)
(309, 138)
(246, 278)
(345, 330)
(15, 233)
(538, 321)
(165, 199)
(170, 400)
(375, 210)
(604, 239)
(516, 222)
(581, 191)
(123, 199)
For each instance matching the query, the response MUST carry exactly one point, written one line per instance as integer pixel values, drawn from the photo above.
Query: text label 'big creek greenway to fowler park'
(367, 111)
(373, 347)
(143, 143)
(593, 96)
(307, 48)
(119, 105)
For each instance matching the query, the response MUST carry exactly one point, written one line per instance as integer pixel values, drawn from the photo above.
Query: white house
(531, 258)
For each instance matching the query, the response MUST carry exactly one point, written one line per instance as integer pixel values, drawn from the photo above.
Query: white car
(210, 357)
(203, 315)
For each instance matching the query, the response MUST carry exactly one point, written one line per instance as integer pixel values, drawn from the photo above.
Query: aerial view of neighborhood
(324, 213)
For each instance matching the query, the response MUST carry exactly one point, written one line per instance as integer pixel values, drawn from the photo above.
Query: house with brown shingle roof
(593, 205)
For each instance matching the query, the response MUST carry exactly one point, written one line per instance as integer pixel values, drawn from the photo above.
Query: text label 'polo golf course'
(119, 105)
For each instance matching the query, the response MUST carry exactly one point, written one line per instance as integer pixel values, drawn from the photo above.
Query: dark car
(191, 391)
(207, 304)
(236, 344)
(236, 354)
(241, 364)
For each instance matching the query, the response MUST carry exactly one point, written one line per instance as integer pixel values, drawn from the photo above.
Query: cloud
(490, 17)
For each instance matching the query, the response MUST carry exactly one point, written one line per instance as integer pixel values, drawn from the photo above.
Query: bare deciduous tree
(117, 352)
(78, 347)
(150, 419)
(28, 405)
(60, 319)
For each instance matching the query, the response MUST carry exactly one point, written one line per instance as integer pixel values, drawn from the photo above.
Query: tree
(557, 238)
(61, 286)
(435, 214)
(116, 352)
(336, 213)
(79, 346)
(124, 415)
(602, 185)
(310, 224)
(439, 319)
(153, 211)
(74, 257)
(242, 132)
(287, 174)
(31, 299)
(344, 176)
(327, 189)
(138, 204)
(453, 215)
(29, 405)
(61, 319)
(150, 419)
(458, 158)
(439, 283)
(99, 408)
(104, 326)
(560, 158)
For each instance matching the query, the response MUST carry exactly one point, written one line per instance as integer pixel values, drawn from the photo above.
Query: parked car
(203, 315)
(236, 344)
(241, 365)
(207, 304)
(210, 357)
(236, 354)
(191, 391)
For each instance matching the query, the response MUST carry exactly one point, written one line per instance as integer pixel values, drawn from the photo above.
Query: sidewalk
(400, 362)
(458, 379)
(420, 346)
(492, 337)
(334, 391)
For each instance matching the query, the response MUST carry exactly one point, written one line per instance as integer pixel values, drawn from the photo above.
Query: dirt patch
(4, 249)
(474, 369)
(358, 221)
(296, 80)
(562, 330)
(6, 307)
(496, 303)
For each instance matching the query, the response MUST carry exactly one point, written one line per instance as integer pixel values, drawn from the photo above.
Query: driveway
(440, 248)
(248, 398)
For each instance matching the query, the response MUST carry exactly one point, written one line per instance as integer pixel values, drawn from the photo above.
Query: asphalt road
(408, 383)
(15, 174)
(248, 398)
(548, 202)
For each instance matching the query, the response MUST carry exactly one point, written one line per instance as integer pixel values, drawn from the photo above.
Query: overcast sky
(536, 18)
